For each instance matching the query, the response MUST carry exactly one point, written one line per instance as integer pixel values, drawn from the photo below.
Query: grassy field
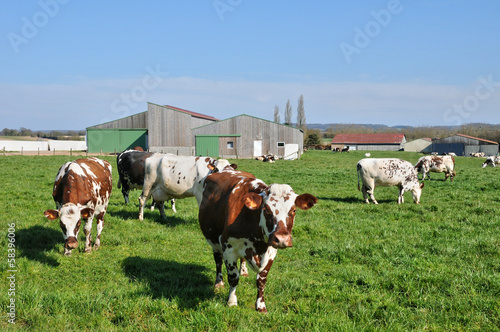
(353, 267)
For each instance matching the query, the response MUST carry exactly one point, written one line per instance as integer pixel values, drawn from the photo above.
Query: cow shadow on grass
(170, 221)
(34, 243)
(184, 283)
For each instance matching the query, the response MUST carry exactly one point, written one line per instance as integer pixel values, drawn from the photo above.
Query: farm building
(246, 136)
(370, 142)
(169, 129)
(160, 129)
(419, 145)
(463, 145)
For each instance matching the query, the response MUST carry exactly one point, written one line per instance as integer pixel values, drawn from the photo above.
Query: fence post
(22, 148)
(71, 151)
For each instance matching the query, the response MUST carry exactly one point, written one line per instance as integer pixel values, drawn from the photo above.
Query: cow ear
(422, 185)
(252, 201)
(51, 214)
(234, 166)
(305, 201)
(86, 213)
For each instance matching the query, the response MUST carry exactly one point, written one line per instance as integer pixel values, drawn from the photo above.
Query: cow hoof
(67, 252)
(232, 303)
(88, 250)
(262, 310)
(219, 285)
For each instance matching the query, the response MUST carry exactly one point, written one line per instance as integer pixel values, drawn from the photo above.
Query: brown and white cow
(388, 172)
(169, 176)
(81, 191)
(243, 218)
(493, 161)
(131, 169)
(436, 164)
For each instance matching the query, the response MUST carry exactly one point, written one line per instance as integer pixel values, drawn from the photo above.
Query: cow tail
(119, 184)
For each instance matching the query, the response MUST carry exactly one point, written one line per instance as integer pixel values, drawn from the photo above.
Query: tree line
(54, 134)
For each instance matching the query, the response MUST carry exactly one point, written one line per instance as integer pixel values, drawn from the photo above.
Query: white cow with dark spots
(388, 172)
(169, 176)
(81, 191)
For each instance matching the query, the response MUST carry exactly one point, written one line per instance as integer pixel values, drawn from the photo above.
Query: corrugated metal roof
(198, 115)
(378, 138)
(479, 139)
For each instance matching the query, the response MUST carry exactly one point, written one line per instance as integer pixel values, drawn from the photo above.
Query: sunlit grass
(353, 266)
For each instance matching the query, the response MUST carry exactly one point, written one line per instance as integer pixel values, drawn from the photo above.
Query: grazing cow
(131, 164)
(170, 176)
(388, 172)
(346, 149)
(243, 218)
(493, 161)
(81, 191)
(436, 164)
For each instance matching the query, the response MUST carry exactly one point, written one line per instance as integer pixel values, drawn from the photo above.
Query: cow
(493, 161)
(436, 164)
(477, 154)
(81, 191)
(170, 176)
(243, 218)
(131, 164)
(388, 172)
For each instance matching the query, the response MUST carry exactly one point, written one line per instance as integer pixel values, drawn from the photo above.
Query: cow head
(278, 204)
(416, 192)
(70, 218)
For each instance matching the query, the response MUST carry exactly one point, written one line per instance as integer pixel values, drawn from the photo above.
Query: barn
(370, 142)
(169, 129)
(160, 129)
(419, 145)
(245, 136)
(464, 145)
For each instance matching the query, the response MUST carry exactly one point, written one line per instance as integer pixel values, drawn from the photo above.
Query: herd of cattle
(240, 216)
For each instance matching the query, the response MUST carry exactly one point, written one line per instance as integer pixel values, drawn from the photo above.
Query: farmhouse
(463, 145)
(169, 129)
(419, 145)
(370, 142)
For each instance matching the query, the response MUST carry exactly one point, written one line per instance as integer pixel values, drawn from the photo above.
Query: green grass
(353, 267)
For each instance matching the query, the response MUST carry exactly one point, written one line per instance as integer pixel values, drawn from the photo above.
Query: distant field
(353, 267)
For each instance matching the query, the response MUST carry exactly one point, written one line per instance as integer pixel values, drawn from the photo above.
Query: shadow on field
(184, 283)
(35, 241)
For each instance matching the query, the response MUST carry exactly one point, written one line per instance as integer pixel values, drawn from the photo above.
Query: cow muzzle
(281, 241)
(71, 243)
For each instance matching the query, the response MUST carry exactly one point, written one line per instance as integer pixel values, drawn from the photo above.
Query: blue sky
(69, 64)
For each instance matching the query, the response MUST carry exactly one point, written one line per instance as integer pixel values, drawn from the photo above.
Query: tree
(276, 114)
(288, 113)
(313, 139)
(301, 115)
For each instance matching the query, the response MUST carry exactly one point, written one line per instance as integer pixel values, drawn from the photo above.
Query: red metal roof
(198, 115)
(378, 138)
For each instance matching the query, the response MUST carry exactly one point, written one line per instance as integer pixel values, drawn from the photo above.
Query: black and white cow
(493, 161)
(131, 169)
(388, 172)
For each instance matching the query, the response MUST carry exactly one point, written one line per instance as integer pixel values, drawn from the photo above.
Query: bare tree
(301, 115)
(276, 114)
(288, 113)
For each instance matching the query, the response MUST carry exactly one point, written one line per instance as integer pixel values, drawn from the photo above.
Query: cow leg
(365, 194)
(142, 203)
(233, 275)
(172, 203)
(260, 305)
(369, 191)
(100, 225)
(161, 208)
(400, 197)
(219, 282)
(88, 237)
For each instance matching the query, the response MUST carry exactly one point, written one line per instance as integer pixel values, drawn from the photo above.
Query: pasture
(353, 267)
